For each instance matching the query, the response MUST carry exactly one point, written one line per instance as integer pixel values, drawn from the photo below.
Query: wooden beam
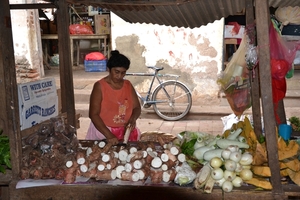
(263, 22)
(65, 66)
(31, 6)
(132, 3)
(9, 106)
(254, 80)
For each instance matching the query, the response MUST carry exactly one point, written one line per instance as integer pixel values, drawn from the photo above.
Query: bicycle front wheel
(173, 100)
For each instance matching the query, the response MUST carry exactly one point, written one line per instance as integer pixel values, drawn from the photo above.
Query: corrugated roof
(180, 13)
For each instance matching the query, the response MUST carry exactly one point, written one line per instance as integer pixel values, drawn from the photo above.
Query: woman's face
(117, 74)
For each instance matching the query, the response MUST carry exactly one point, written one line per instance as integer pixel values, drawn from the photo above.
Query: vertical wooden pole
(263, 22)
(254, 80)
(281, 112)
(9, 106)
(65, 66)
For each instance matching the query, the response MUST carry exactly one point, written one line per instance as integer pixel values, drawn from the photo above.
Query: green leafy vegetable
(187, 147)
(4, 152)
(295, 122)
(261, 139)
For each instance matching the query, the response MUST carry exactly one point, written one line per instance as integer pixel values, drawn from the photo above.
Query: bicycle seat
(156, 68)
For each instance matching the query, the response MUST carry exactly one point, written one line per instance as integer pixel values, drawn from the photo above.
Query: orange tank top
(116, 105)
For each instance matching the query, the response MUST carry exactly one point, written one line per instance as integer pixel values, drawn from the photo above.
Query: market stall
(106, 189)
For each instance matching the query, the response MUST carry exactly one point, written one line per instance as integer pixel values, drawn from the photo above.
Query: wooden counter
(104, 191)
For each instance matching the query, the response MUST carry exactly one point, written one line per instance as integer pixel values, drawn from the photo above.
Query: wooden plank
(9, 115)
(65, 66)
(105, 191)
(32, 6)
(4, 193)
(262, 20)
(254, 80)
(6, 178)
(149, 3)
(119, 192)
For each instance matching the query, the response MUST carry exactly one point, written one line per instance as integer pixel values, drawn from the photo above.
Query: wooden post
(9, 106)
(281, 112)
(65, 66)
(254, 80)
(263, 22)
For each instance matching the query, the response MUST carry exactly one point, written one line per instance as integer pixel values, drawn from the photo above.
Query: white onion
(238, 168)
(227, 186)
(237, 182)
(233, 148)
(226, 154)
(235, 156)
(217, 173)
(220, 182)
(229, 175)
(246, 159)
(246, 166)
(246, 174)
(216, 162)
(230, 165)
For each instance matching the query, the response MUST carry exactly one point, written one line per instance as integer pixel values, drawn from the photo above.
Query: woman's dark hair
(118, 60)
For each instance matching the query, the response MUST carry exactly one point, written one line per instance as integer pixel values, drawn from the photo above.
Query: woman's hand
(130, 125)
(113, 140)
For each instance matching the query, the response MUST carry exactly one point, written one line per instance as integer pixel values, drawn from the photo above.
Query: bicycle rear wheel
(173, 100)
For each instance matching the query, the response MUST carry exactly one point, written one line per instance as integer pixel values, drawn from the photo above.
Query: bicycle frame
(155, 75)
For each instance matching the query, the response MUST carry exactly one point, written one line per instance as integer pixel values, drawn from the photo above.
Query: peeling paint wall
(27, 43)
(194, 54)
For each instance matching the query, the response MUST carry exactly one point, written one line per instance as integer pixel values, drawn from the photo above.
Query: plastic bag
(240, 98)
(282, 55)
(95, 56)
(281, 49)
(279, 68)
(80, 29)
(234, 81)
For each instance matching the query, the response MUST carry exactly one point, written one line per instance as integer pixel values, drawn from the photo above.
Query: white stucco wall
(195, 54)
(27, 38)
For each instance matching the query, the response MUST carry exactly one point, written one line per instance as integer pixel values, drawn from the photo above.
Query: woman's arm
(136, 110)
(94, 114)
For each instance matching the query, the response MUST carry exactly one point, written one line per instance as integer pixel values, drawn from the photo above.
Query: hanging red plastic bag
(281, 49)
(80, 29)
(282, 55)
(95, 56)
(279, 68)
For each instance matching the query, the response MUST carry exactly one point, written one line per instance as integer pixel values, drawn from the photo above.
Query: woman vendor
(114, 105)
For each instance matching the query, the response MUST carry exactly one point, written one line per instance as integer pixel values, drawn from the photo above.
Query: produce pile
(131, 162)
(44, 152)
(235, 158)
(53, 152)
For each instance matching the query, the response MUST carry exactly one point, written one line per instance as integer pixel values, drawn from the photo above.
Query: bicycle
(171, 99)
